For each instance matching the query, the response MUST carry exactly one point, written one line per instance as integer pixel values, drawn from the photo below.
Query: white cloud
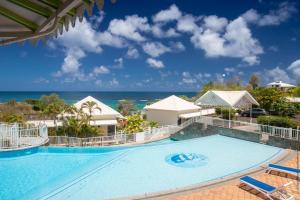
(277, 74)
(41, 80)
(237, 42)
(173, 13)
(295, 68)
(273, 48)
(82, 36)
(106, 38)
(101, 70)
(71, 62)
(251, 16)
(158, 31)
(155, 49)
(188, 79)
(229, 69)
(118, 63)
(97, 19)
(274, 17)
(187, 23)
(177, 46)
(132, 53)
(114, 82)
(154, 63)
(130, 28)
(215, 23)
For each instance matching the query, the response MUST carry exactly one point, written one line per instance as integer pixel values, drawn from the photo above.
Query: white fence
(150, 134)
(287, 133)
(13, 136)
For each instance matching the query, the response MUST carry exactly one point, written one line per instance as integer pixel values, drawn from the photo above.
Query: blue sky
(162, 45)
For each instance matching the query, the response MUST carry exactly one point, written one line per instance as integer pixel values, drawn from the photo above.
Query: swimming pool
(114, 172)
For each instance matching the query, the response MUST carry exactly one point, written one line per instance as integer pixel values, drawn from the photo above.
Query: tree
(51, 106)
(50, 99)
(91, 106)
(254, 81)
(271, 99)
(296, 91)
(126, 107)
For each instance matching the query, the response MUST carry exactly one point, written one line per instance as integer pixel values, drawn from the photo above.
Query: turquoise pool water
(114, 172)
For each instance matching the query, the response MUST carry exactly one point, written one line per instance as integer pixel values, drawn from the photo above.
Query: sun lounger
(268, 190)
(287, 170)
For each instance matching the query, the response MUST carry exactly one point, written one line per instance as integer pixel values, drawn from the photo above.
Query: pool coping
(282, 157)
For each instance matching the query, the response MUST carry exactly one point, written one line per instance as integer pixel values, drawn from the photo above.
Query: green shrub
(224, 112)
(277, 121)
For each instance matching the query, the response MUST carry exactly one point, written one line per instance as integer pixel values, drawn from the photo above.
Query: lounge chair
(269, 191)
(287, 170)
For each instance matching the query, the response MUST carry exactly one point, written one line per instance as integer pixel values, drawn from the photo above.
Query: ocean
(109, 98)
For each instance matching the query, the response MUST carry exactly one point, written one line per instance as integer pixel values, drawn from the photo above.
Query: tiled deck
(231, 191)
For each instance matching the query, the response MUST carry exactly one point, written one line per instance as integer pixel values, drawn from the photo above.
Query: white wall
(163, 117)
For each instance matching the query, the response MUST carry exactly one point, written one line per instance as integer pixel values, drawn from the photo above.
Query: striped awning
(33, 20)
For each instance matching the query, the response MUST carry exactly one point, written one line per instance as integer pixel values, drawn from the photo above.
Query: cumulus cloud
(79, 41)
(172, 13)
(187, 23)
(275, 17)
(132, 53)
(101, 70)
(236, 41)
(215, 23)
(277, 74)
(130, 27)
(155, 49)
(177, 46)
(188, 79)
(157, 30)
(295, 68)
(154, 63)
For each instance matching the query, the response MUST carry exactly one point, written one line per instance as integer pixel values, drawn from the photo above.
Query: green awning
(33, 20)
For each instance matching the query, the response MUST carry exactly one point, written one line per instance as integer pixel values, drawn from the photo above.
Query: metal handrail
(14, 136)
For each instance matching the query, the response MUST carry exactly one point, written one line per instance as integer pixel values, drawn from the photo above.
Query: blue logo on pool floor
(187, 160)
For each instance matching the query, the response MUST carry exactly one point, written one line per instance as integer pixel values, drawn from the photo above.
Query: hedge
(277, 121)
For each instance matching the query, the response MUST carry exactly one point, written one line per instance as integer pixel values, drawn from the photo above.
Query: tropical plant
(126, 107)
(134, 124)
(153, 124)
(90, 106)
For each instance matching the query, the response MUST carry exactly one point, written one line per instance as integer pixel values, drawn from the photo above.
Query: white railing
(287, 133)
(150, 134)
(14, 136)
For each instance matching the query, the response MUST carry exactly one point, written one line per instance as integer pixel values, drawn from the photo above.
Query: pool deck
(231, 191)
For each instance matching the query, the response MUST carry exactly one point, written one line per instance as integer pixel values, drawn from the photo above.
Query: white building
(280, 85)
(229, 99)
(172, 110)
(101, 115)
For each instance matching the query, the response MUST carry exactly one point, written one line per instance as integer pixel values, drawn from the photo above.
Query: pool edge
(283, 156)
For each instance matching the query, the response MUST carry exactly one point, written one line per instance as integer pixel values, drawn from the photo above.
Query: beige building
(171, 110)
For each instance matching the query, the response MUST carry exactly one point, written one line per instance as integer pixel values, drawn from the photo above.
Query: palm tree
(91, 106)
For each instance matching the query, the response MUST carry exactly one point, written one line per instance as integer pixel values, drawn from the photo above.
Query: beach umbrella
(35, 20)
